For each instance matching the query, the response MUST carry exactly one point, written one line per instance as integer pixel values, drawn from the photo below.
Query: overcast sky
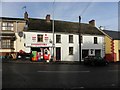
(104, 13)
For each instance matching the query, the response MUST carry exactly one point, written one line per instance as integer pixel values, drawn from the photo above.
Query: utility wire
(85, 9)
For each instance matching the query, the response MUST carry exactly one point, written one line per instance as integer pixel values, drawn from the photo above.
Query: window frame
(6, 44)
(71, 50)
(70, 38)
(7, 26)
(95, 40)
(39, 38)
(58, 38)
(81, 39)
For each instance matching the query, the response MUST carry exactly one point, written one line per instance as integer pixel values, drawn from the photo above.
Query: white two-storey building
(39, 36)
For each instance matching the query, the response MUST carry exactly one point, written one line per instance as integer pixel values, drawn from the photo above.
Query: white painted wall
(88, 43)
(18, 43)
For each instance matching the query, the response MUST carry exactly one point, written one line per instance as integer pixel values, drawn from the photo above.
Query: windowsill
(58, 42)
(70, 42)
(8, 30)
(71, 54)
(7, 48)
(40, 42)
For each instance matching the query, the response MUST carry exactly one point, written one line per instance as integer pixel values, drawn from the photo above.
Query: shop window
(95, 40)
(70, 50)
(58, 38)
(40, 38)
(70, 38)
(7, 26)
(6, 44)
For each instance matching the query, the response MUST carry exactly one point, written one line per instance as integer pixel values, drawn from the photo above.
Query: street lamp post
(79, 31)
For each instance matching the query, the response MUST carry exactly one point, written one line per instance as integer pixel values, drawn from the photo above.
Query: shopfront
(41, 52)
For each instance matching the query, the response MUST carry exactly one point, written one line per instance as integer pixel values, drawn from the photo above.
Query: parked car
(95, 61)
(23, 55)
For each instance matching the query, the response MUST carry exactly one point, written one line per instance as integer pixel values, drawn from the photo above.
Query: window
(7, 26)
(92, 51)
(58, 38)
(81, 39)
(70, 50)
(40, 38)
(24, 36)
(95, 40)
(70, 38)
(6, 44)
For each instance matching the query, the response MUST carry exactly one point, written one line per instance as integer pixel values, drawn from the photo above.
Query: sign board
(20, 34)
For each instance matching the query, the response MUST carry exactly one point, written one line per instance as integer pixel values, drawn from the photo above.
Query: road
(59, 76)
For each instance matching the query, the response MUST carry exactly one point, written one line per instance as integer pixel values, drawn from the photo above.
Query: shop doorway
(58, 53)
(40, 53)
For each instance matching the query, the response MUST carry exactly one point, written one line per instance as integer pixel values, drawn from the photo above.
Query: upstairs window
(58, 38)
(80, 39)
(95, 40)
(70, 38)
(40, 38)
(7, 26)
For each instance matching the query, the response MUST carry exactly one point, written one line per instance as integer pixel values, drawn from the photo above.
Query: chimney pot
(48, 18)
(26, 16)
(92, 22)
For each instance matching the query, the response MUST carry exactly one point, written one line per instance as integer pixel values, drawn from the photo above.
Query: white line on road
(63, 71)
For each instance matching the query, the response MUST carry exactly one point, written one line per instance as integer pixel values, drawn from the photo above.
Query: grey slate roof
(10, 18)
(60, 26)
(113, 34)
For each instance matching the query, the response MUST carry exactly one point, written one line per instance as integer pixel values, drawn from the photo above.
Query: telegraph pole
(53, 32)
(79, 31)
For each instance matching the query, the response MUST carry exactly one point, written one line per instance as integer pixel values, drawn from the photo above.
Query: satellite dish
(20, 34)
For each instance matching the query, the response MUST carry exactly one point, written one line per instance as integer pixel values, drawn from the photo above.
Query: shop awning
(39, 45)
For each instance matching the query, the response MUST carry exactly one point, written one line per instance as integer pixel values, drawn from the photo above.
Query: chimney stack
(26, 16)
(26, 19)
(48, 18)
(92, 23)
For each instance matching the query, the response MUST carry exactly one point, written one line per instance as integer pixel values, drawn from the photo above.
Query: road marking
(63, 71)
(113, 70)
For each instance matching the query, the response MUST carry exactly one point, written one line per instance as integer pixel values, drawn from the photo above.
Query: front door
(98, 52)
(85, 53)
(58, 53)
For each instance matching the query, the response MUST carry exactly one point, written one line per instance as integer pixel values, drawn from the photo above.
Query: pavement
(27, 61)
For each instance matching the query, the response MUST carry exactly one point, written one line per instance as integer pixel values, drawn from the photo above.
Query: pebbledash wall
(29, 40)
